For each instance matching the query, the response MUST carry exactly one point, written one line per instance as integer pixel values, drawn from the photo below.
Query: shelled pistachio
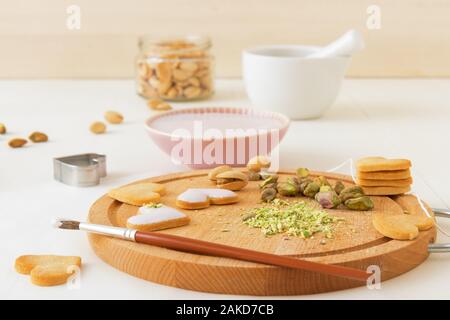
(338, 187)
(254, 176)
(269, 180)
(287, 189)
(362, 203)
(328, 199)
(351, 192)
(268, 194)
(311, 189)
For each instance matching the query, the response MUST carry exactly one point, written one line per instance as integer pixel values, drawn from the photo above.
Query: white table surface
(393, 118)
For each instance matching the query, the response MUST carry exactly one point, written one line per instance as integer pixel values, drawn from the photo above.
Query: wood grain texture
(356, 244)
(412, 41)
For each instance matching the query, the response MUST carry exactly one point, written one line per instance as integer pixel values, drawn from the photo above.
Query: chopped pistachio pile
(153, 205)
(294, 218)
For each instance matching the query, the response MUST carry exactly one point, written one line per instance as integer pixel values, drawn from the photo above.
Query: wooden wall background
(414, 39)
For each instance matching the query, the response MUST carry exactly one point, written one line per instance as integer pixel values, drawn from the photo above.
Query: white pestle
(346, 45)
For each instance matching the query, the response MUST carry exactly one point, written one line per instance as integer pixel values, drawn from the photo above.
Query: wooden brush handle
(214, 249)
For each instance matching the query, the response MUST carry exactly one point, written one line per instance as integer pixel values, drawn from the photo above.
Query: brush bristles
(66, 224)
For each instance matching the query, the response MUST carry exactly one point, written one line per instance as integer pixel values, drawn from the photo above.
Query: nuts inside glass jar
(175, 69)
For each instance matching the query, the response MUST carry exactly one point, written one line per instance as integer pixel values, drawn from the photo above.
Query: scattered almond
(17, 142)
(153, 103)
(158, 104)
(2, 128)
(38, 137)
(113, 117)
(163, 106)
(98, 127)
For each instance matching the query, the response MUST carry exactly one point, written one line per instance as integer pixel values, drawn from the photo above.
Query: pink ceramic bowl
(208, 137)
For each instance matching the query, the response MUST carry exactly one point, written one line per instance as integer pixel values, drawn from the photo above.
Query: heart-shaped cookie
(151, 218)
(138, 194)
(47, 270)
(203, 198)
(401, 226)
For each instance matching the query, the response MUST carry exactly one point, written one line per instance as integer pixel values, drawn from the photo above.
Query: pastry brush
(190, 245)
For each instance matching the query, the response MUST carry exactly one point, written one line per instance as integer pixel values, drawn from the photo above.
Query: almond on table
(98, 127)
(17, 142)
(113, 117)
(158, 104)
(38, 137)
(2, 128)
(163, 106)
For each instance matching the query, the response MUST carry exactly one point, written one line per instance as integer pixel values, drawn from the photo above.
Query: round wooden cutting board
(356, 244)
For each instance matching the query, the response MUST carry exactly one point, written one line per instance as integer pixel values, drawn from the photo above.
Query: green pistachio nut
(303, 184)
(268, 194)
(322, 181)
(311, 189)
(338, 187)
(325, 189)
(302, 172)
(328, 199)
(293, 180)
(269, 180)
(287, 189)
(254, 176)
(351, 192)
(362, 203)
(272, 185)
(248, 216)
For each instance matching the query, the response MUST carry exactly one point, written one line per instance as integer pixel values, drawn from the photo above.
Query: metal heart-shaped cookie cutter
(81, 170)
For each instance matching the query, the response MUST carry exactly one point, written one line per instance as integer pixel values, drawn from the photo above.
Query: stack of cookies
(379, 176)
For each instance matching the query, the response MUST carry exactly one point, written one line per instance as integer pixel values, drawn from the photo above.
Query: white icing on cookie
(199, 195)
(193, 196)
(218, 193)
(148, 215)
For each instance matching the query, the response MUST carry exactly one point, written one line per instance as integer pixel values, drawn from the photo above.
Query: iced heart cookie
(384, 183)
(401, 226)
(202, 198)
(47, 270)
(193, 199)
(385, 175)
(220, 196)
(371, 164)
(138, 194)
(152, 218)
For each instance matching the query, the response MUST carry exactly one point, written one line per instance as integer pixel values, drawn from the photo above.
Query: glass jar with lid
(175, 68)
